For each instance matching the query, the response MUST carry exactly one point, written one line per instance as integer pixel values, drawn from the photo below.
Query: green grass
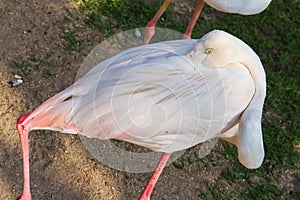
(21, 65)
(111, 16)
(72, 41)
(26, 65)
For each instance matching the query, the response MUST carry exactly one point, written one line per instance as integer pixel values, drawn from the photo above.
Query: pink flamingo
(213, 87)
(244, 7)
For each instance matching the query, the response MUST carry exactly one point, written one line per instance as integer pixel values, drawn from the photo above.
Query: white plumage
(244, 7)
(167, 97)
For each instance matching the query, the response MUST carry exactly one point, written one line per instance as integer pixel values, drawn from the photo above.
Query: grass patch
(112, 16)
(72, 41)
(28, 66)
(21, 65)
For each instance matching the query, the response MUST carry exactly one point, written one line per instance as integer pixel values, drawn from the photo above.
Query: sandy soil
(61, 168)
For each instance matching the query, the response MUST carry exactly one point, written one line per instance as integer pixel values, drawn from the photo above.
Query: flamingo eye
(208, 50)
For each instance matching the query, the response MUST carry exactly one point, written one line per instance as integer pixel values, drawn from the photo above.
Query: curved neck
(257, 71)
(250, 140)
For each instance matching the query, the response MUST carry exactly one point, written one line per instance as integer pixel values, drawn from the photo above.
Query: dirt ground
(61, 168)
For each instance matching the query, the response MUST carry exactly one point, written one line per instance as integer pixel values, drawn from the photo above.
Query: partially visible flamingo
(243, 7)
(166, 96)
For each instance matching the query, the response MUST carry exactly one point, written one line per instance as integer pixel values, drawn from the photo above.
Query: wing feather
(153, 96)
(146, 102)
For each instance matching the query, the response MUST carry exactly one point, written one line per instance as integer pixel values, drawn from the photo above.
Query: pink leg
(151, 184)
(150, 27)
(24, 140)
(188, 32)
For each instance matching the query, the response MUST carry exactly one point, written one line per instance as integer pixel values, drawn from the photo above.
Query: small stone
(137, 33)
